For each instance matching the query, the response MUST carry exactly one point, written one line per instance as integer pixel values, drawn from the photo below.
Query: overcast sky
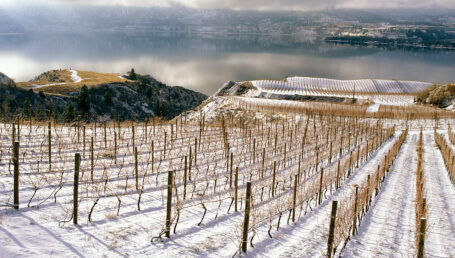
(283, 5)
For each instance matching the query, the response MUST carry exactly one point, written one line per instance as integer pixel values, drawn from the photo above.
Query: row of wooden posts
(77, 161)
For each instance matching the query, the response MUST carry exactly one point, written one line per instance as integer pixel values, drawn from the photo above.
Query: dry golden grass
(90, 79)
(62, 76)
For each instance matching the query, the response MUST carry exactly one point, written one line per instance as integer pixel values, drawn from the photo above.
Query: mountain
(86, 19)
(138, 98)
(5, 80)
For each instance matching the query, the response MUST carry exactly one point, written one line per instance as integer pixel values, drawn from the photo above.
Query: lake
(204, 62)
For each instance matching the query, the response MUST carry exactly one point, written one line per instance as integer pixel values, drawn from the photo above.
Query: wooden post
(320, 186)
(333, 216)
(105, 135)
(153, 154)
(185, 177)
(165, 144)
(330, 154)
(189, 164)
(169, 204)
(263, 163)
(13, 135)
(368, 193)
(195, 151)
(273, 179)
(92, 163)
(354, 223)
(78, 131)
(16, 174)
(423, 223)
(115, 148)
(83, 140)
(247, 217)
(337, 182)
(254, 151)
(49, 145)
(136, 172)
(230, 171)
(77, 162)
(133, 133)
(145, 128)
(236, 184)
(294, 198)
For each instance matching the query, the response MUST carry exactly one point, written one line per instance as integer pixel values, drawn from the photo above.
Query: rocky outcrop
(5, 80)
(129, 100)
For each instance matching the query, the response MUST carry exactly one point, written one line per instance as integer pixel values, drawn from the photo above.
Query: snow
(76, 78)
(385, 92)
(37, 86)
(388, 229)
(373, 108)
(440, 195)
(308, 237)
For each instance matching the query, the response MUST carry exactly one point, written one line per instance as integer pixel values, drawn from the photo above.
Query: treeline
(414, 41)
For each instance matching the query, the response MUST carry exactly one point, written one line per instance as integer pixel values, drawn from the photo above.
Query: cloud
(282, 5)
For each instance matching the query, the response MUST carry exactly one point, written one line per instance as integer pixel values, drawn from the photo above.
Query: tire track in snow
(388, 229)
(308, 236)
(440, 194)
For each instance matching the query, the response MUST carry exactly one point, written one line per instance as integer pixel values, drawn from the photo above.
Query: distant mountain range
(39, 19)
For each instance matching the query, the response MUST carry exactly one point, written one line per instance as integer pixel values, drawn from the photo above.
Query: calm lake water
(205, 62)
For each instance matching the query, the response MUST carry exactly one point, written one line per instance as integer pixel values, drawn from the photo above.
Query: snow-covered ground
(387, 230)
(76, 78)
(440, 195)
(386, 92)
(373, 108)
(322, 84)
(37, 86)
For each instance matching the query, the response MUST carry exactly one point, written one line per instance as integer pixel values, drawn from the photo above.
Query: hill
(70, 94)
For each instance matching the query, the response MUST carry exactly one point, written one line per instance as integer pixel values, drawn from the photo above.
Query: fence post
(13, 135)
(333, 216)
(185, 177)
(77, 162)
(294, 199)
(354, 223)
(320, 186)
(247, 217)
(16, 174)
(105, 135)
(92, 163)
(49, 144)
(273, 179)
(230, 171)
(115, 147)
(83, 140)
(337, 182)
(423, 223)
(136, 172)
(169, 203)
(236, 184)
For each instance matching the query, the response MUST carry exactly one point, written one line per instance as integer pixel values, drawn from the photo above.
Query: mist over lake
(203, 62)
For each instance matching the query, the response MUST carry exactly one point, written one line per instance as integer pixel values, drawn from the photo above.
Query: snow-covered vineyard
(267, 186)
(389, 92)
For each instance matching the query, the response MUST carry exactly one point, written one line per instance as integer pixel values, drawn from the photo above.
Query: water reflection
(204, 62)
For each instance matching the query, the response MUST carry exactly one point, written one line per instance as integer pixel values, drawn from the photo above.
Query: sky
(280, 5)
